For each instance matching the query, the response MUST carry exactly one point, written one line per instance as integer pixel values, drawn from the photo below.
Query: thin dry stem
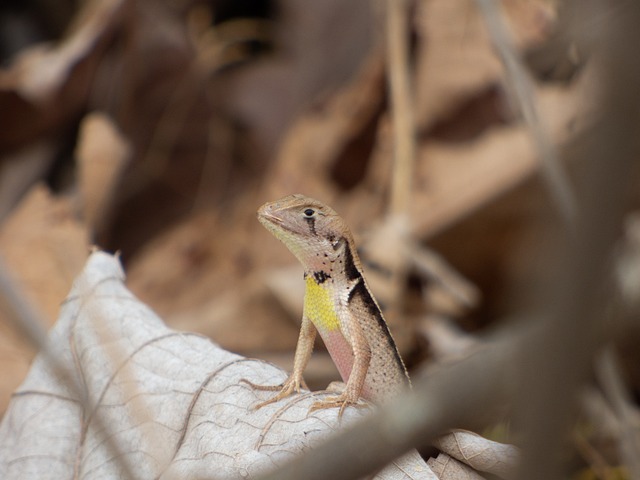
(557, 364)
(401, 104)
(523, 94)
(437, 269)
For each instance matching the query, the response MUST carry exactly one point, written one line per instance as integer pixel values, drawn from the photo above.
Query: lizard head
(312, 231)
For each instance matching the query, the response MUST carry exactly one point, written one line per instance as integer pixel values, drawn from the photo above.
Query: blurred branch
(450, 396)
(523, 94)
(558, 363)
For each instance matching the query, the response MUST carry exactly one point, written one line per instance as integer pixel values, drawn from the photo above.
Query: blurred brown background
(157, 128)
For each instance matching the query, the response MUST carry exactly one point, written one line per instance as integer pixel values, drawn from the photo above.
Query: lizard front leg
(356, 381)
(295, 382)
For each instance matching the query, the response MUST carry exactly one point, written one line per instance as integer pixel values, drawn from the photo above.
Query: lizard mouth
(271, 221)
(268, 217)
(274, 223)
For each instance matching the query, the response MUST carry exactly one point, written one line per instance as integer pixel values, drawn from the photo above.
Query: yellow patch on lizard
(319, 306)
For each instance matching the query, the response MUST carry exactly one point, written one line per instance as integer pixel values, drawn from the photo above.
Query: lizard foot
(290, 386)
(342, 401)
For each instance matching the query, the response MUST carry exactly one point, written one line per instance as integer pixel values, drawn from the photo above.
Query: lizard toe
(340, 402)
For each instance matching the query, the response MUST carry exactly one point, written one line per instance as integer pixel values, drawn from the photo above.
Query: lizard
(337, 304)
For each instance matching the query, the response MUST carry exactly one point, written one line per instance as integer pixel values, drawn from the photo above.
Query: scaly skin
(338, 304)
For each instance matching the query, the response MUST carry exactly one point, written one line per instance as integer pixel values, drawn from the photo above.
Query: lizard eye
(309, 212)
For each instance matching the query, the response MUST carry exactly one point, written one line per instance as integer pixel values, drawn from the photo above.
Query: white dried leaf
(172, 402)
(480, 453)
(448, 468)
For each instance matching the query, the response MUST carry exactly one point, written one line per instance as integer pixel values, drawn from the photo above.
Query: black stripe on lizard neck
(361, 292)
(312, 224)
(350, 269)
(320, 276)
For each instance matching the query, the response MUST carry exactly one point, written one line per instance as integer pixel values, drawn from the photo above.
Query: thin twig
(522, 92)
(404, 145)
(436, 268)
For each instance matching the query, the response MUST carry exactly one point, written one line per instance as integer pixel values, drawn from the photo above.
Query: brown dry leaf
(191, 276)
(479, 157)
(319, 47)
(456, 179)
(172, 402)
(102, 153)
(40, 72)
(170, 270)
(447, 341)
(313, 151)
(44, 248)
(135, 62)
(239, 320)
(285, 285)
(41, 87)
(19, 170)
(456, 60)
(41, 94)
